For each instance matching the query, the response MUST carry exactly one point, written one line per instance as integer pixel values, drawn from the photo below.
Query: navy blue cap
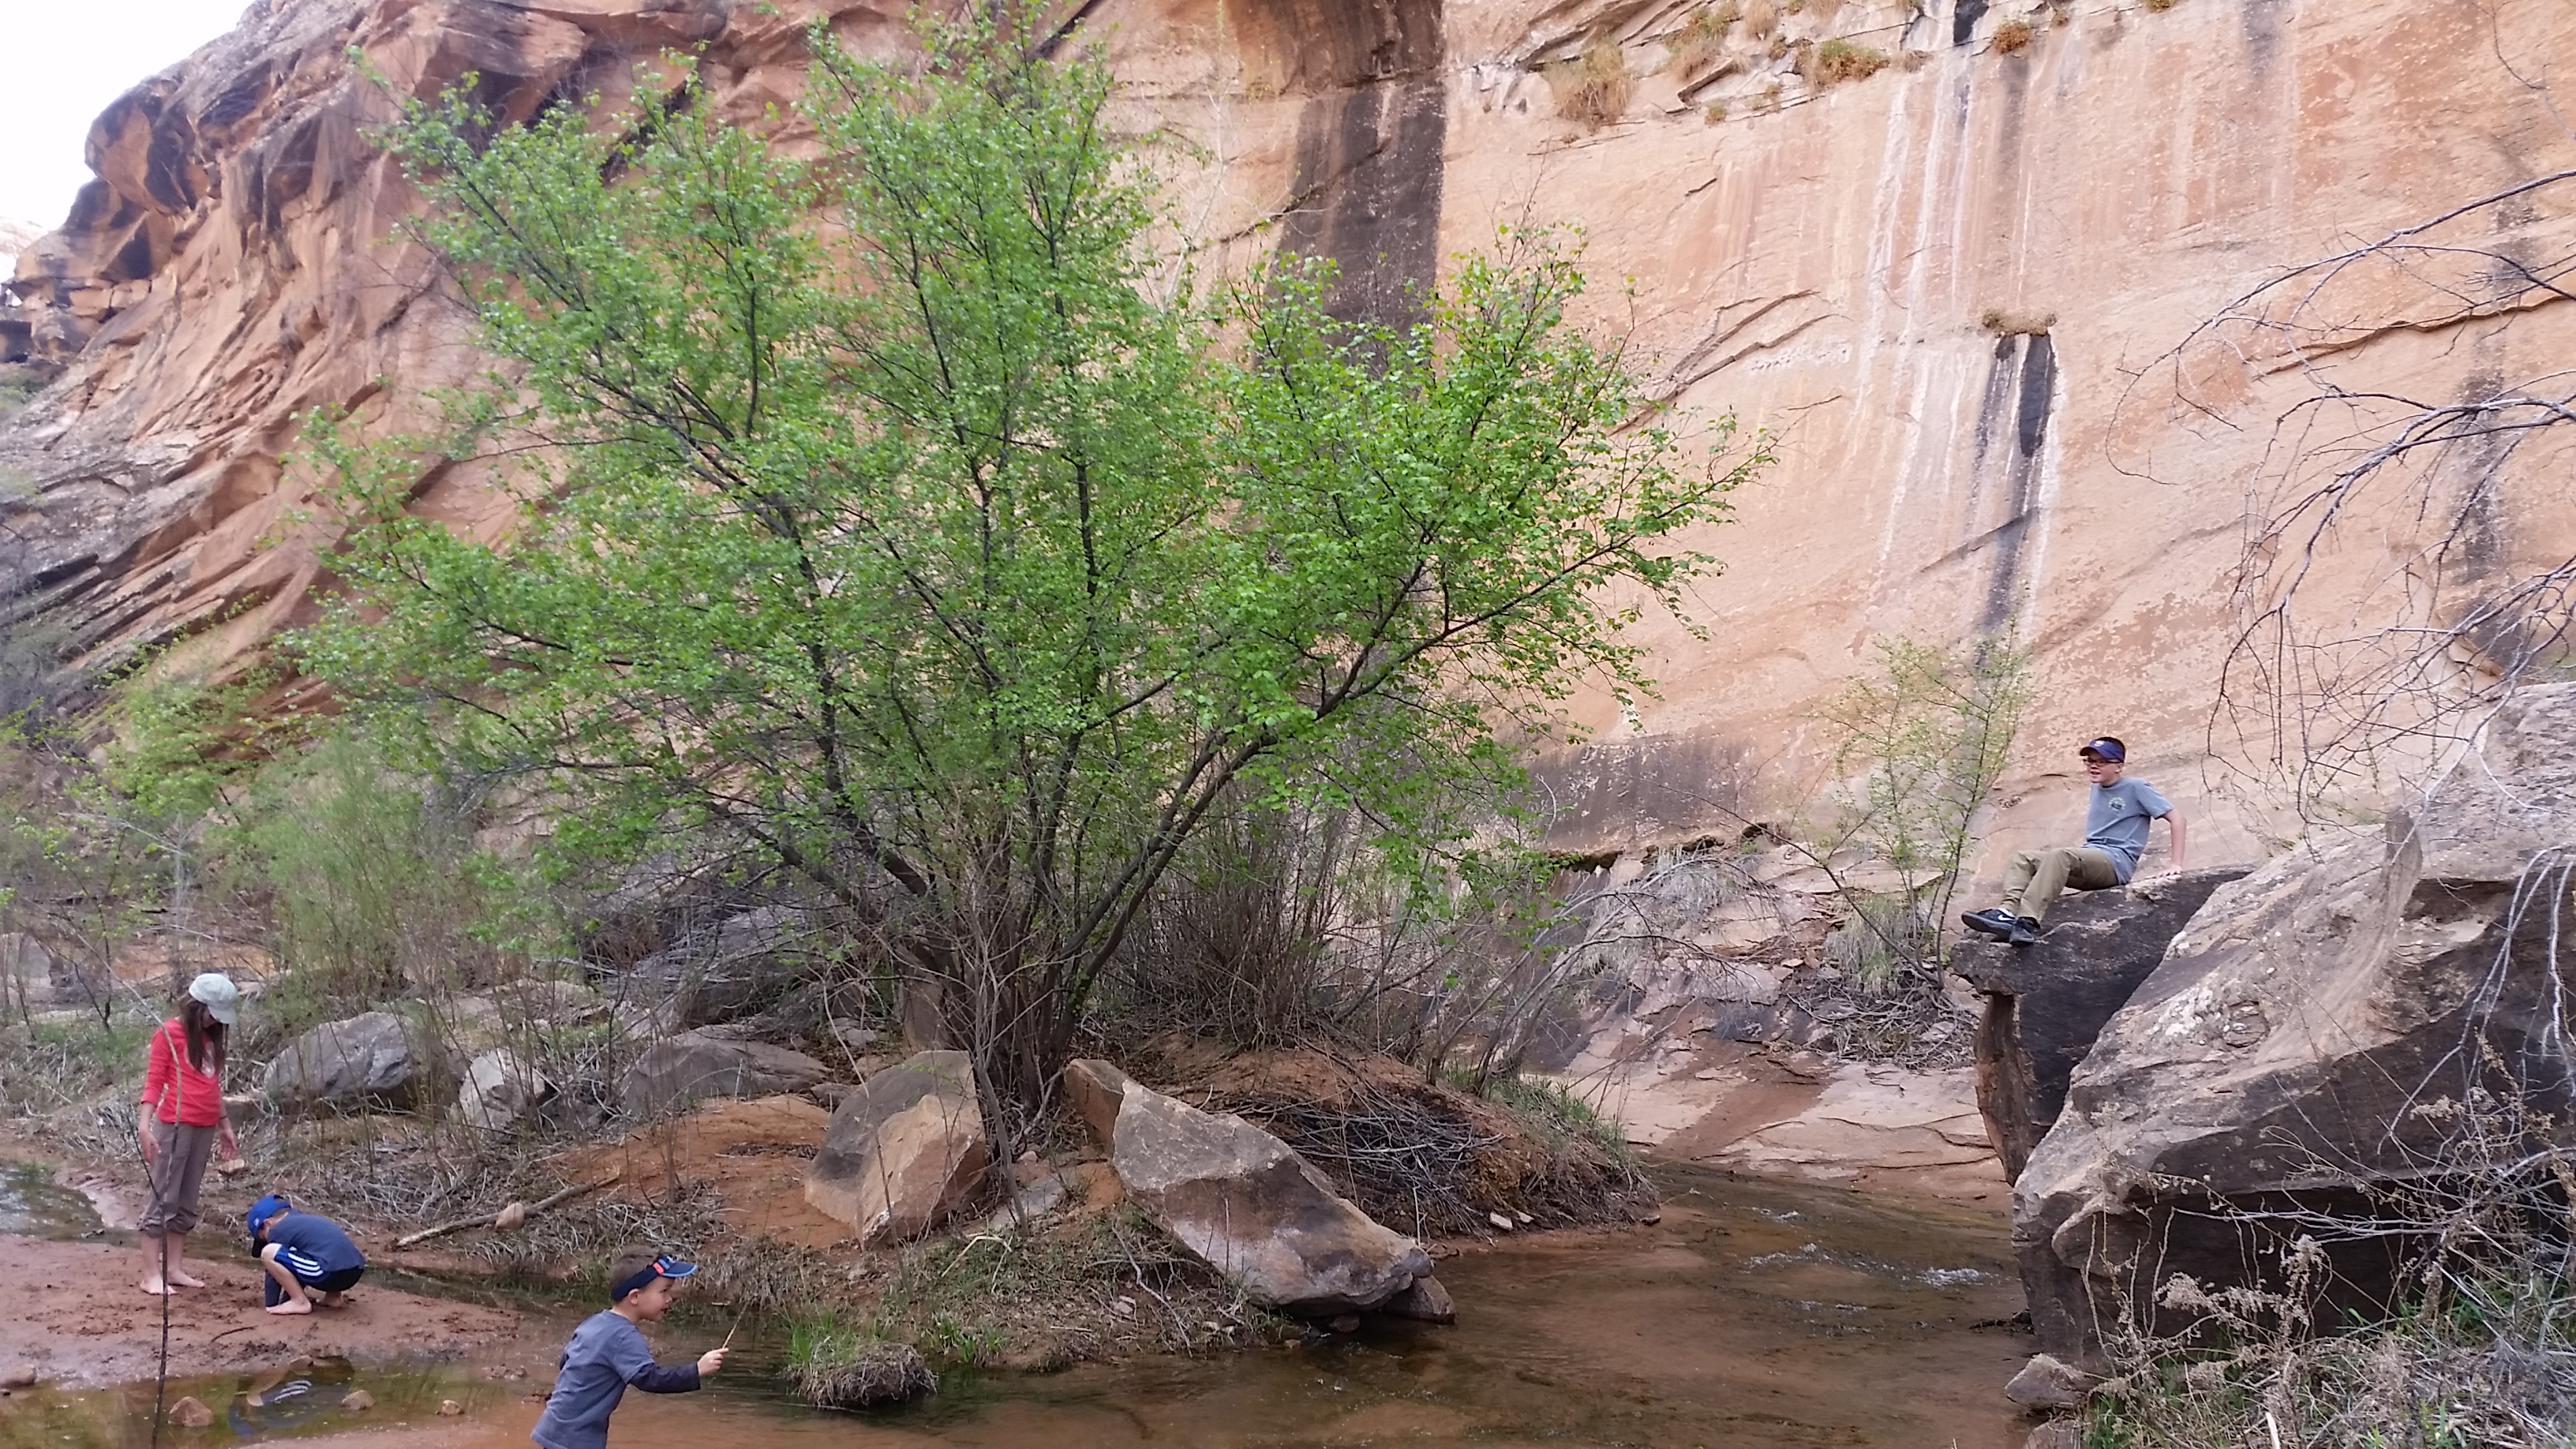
(2108, 748)
(264, 1209)
(664, 1266)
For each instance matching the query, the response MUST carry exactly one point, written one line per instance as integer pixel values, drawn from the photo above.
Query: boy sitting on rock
(2115, 831)
(305, 1254)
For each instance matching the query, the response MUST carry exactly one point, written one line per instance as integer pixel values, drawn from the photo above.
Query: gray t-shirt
(2115, 823)
(607, 1352)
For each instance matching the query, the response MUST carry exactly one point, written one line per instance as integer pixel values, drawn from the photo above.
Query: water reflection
(36, 1206)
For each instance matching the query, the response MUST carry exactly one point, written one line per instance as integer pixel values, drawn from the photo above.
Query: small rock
(21, 1377)
(449, 1408)
(1500, 1221)
(1123, 1306)
(1426, 1301)
(357, 1401)
(1520, 1217)
(510, 1217)
(2056, 1434)
(1650, 1219)
(1347, 1323)
(191, 1413)
(2047, 1383)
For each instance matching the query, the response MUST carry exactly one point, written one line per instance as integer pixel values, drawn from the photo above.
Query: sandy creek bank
(1756, 1312)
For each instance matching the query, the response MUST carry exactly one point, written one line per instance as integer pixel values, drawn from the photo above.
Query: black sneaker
(2025, 932)
(1993, 921)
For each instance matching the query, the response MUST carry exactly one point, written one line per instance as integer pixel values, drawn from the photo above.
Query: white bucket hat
(219, 994)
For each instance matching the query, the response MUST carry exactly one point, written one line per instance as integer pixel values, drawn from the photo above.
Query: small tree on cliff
(884, 518)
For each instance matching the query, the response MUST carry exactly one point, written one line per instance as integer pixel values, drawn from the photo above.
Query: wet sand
(74, 1312)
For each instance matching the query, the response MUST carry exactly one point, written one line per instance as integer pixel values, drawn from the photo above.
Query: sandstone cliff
(1953, 285)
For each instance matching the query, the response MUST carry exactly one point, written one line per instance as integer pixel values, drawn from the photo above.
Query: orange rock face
(1960, 288)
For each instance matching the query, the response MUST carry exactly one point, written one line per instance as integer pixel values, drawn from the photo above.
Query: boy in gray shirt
(2115, 831)
(608, 1352)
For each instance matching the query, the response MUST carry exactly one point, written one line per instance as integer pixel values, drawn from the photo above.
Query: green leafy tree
(888, 518)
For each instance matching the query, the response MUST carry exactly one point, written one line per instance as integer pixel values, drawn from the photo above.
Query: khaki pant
(178, 1175)
(2036, 878)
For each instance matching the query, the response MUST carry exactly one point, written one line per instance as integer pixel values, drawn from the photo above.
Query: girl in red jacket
(181, 1120)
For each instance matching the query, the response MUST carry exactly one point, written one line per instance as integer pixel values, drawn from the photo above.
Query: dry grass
(2011, 38)
(1593, 88)
(1839, 60)
(1093, 1285)
(2008, 323)
(1424, 1157)
(2159, 6)
(1761, 17)
(1713, 112)
(1701, 40)
(2483, 1352)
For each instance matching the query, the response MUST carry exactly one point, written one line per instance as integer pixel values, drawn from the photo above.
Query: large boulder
(375, 1059)
(905, 1150)
(2044, 1004)
(500, 1090)
(669, 1075)
(739, 966)
(1247, 1205)
(2309, 1038)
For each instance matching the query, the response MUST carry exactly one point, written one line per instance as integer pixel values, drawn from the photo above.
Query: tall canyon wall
(1960, 292)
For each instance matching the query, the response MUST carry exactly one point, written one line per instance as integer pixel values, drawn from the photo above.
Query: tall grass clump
(834, 1364)
(1701, 39)
(1593, 88)
(1839, 60)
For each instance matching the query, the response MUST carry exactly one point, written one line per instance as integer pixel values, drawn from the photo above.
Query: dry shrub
(1593, 87)
(2482, 1351)
(1839, 60)
(1824, 11)
(1761, 17)
(1424, 1157)
(2011, 38)
(2008, 323)
(1779, 47)
(1713, 112)
(1701, 39)
(2160, 6)
(1768, 100)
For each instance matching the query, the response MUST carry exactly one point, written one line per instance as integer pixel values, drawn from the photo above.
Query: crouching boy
(306, 1255)
(608, 1352)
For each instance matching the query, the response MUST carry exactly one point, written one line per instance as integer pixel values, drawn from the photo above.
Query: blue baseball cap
(2107, 748)
(264, 1209)
(664, 1266)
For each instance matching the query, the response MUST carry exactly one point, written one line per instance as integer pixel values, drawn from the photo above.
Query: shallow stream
(1755, 1313)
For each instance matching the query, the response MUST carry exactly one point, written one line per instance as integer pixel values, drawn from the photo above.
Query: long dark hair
(205, 1036)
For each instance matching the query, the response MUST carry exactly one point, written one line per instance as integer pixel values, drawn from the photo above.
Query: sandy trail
(74, 1312)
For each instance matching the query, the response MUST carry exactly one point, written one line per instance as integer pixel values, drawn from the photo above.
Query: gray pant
(2037, 877)
(178, 1175)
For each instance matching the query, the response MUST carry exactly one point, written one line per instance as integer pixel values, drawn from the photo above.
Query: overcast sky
(67, 60)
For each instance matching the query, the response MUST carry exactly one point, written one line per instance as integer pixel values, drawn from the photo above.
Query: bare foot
(180, 1279)
(290, 1308)
(335, 1300)
(156, 1288)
